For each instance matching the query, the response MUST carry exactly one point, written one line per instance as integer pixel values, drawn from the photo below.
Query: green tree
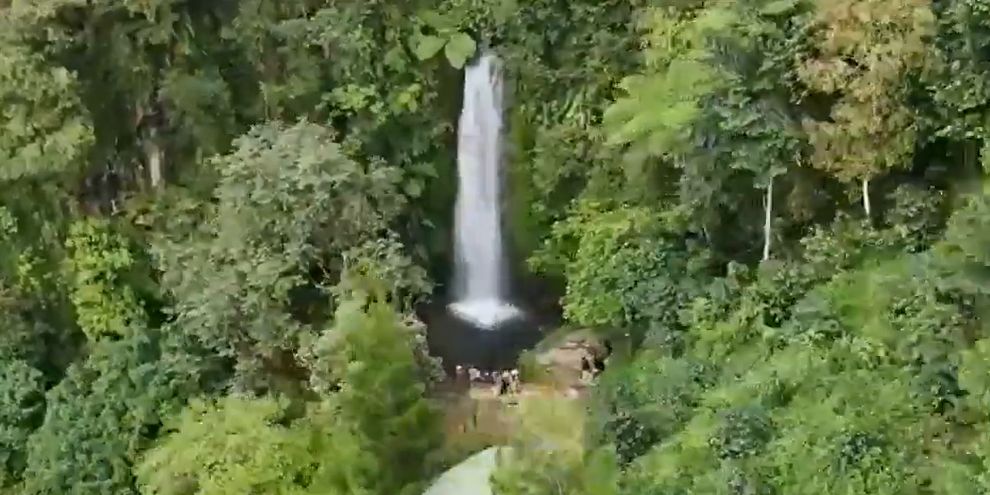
(644, 402)
(106, 411)
(99, 259)
(679, 77)
(959, 65)
(22, 404)
(150, 74)
(289, 206)
(546, 456)
(709, 111)
(245, 445)
(368, 357)
(47, 131)
(866, 53)
(371, 431)
(624, 266)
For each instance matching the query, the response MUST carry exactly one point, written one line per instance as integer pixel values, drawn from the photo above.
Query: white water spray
(480, 268)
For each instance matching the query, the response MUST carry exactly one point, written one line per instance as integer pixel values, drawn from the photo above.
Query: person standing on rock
(499, 388)
(506, 382)
(586, 368)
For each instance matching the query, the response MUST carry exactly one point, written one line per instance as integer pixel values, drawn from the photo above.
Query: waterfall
(480, 267)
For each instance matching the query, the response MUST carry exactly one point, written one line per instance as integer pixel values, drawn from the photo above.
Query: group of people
(590, 368)
(505, 382)
(593, 363)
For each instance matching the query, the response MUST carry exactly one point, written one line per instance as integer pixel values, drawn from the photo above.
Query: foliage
(21, 409)
(865, 377)
(289, 169)
(867, 51)
(624, 266)
(644, 402)
(105, 411)
(105, 306)
(916, 216)
(385, 260)
(958, 67)
(681, 79)
(233, 278)
(547, 458)
(962, 254)
(706, 119)
(370, 431)
(564, 62)
(368, 358)
(456, 45)
(46, 130)
(20, 340)
(213, 450)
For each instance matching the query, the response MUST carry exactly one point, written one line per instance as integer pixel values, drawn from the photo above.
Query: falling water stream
(480, 270)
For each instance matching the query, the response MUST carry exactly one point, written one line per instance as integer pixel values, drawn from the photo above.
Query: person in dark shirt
(598, 366)
(504, 383)
(586, 369)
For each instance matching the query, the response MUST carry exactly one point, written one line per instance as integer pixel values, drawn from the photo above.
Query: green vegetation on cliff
(217, 218)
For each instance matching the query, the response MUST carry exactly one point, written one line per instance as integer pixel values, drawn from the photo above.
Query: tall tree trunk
(155, 160)
(983, 166)
(866, 198)
(768, 217)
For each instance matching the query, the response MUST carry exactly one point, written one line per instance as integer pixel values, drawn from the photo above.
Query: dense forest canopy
(218, 218)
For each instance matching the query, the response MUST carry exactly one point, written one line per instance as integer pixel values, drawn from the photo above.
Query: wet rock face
(458, 342)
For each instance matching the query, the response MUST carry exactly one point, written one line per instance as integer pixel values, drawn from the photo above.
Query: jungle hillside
(219, 222)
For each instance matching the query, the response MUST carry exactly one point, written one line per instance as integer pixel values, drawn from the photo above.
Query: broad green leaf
(459, 49)
(436, 20)
(425, 168)
(427, 46)
(413, 188)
